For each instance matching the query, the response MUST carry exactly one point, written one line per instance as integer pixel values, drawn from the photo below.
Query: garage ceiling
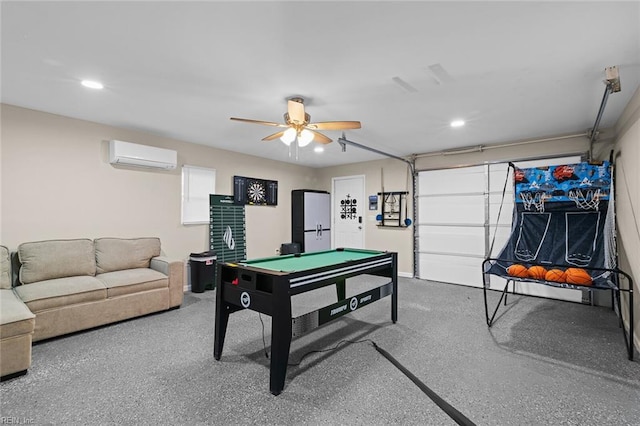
(511, 70)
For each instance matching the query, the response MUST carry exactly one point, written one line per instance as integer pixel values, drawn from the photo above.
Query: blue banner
(563, 183)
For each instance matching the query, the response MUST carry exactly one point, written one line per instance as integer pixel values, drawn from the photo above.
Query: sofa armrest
(174, 269)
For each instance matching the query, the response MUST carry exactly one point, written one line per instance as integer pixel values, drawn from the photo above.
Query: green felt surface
(291, 263)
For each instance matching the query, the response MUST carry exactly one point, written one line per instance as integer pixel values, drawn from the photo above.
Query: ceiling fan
(298, 126)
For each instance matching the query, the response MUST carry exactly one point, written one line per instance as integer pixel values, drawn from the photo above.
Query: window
(197, 184)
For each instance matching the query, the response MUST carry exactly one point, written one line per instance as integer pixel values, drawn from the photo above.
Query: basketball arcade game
(563, 235)
(267, 285)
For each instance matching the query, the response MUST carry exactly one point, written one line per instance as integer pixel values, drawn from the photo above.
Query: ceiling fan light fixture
(298, 128)
(305, 137)
(288, 136)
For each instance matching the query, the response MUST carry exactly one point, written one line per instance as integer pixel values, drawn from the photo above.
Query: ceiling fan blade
(319, 137)
(273, 136)
(266, 123)
(334, 125)
(296, 111)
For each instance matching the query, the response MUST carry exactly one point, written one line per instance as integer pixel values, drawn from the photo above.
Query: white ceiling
(180, 69)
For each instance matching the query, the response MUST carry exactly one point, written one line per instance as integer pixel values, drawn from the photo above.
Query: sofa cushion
(47, 260)
(61, 292)
(129, 281)
(116, 254)
(16, 318)
(5, 268)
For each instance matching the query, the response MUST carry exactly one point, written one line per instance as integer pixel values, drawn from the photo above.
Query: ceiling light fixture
(92, 84)
(288, 136)
(318, 149)
(457, 123)
(303, 136)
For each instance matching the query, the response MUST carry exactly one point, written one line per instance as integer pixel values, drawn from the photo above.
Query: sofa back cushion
(5, 268)
(46, 260)
(116, 254)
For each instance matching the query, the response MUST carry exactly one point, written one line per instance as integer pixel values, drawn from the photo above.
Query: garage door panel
(458, 209)
(495, 201)
(451, 269)
(497, 177)
(458, 196)
(453, 240)
(501, 238)
(497, 283)
(533, 289)
(452, 181)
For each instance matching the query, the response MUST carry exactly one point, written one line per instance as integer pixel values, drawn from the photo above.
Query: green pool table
(266, 285)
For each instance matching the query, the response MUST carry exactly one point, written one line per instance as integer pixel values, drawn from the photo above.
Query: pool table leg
(394, 296)
(280, 339)
(221, 319)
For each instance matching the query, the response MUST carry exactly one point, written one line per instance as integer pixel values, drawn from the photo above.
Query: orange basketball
(537, 272)
(557, 275)
(578, 276)
(517, 270)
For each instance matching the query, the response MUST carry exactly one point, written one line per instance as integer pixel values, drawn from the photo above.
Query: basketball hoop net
(533, 200)
(586, 199)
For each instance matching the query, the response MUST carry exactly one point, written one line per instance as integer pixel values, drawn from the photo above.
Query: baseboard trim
(13, 375)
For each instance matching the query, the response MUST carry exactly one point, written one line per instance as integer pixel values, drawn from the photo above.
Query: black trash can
(289, 248)
(203, 271)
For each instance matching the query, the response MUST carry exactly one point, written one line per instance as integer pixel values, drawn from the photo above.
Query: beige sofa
(73, 285)
(16, 324)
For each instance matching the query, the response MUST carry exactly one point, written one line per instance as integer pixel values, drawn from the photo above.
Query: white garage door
(457, 214)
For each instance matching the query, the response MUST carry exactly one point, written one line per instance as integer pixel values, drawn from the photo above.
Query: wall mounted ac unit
(133, 154)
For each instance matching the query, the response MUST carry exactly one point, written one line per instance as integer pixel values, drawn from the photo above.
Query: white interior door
(347, 212)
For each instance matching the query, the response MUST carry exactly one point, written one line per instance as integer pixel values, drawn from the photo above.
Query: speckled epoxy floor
(543, 362)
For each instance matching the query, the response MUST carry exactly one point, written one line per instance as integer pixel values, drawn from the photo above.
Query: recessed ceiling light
(92, 84)
(457, 123)
(318, 149)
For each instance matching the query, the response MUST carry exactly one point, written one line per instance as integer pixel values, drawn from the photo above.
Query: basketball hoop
(585, 199)
(533, 199)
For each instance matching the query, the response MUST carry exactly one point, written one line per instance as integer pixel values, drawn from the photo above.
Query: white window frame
(197, 184)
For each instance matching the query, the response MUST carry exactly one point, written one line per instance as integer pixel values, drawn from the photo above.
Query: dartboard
(256, 192)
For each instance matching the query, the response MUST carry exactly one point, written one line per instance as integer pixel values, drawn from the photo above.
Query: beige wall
(627, 174)
(394, 174)
(514, 151)
(56, 182)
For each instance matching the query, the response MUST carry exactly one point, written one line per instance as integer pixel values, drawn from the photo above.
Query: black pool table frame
(269, 292)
